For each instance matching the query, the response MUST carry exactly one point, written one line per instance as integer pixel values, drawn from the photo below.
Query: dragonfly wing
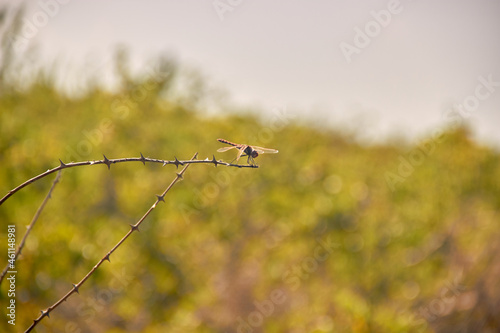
(221, 150)
(242, 149)
(261, 150)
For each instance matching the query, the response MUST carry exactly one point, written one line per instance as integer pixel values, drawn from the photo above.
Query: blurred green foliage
(315, 240)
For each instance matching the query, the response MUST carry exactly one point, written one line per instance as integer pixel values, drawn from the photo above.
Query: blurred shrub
(315, 240)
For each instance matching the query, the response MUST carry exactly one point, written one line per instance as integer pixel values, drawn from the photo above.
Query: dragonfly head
(254, 154)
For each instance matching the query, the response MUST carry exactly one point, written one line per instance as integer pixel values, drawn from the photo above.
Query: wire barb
(107, 162)
(177, 162)
(214, 161)
(45, 313)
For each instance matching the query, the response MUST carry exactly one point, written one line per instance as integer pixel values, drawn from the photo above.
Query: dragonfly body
(245, 150)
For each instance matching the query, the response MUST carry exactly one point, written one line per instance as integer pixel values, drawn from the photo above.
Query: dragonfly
(245, 150)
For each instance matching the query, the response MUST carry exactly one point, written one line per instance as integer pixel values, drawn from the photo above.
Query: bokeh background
(379, 214)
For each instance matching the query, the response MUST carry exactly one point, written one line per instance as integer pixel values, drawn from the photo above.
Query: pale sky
(409, 61)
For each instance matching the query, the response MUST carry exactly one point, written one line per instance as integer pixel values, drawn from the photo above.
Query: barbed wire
(108, 162)
(30, 226)
(133, 227)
